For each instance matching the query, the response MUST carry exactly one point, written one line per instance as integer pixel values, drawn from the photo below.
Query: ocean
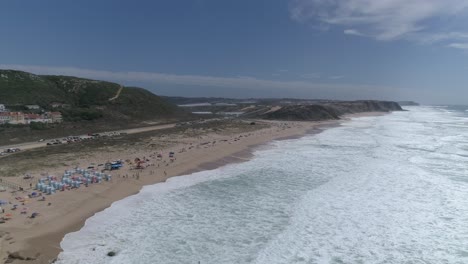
(382, 189)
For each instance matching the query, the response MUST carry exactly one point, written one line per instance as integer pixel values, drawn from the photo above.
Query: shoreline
(45, 238)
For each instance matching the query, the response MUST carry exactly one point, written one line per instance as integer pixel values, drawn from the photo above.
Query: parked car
(12, 150)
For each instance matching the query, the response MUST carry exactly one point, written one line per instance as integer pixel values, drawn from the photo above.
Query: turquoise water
(387, 189)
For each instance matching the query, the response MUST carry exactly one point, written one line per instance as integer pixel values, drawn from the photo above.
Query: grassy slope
(83, 92)
(24, 88)
(138, 102)
(90, 111)
(133, 103)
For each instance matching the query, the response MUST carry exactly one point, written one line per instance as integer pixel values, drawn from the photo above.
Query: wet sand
(39, 239)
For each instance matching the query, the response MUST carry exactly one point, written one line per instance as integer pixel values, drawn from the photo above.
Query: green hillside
(18, 87)
(83, 99)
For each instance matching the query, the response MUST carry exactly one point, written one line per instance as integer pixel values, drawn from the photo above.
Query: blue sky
(355, 49)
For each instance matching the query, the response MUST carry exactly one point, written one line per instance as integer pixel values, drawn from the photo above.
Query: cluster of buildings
(7, 117)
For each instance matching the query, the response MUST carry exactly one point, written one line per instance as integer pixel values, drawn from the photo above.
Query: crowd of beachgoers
(31, 189)
(74, 194)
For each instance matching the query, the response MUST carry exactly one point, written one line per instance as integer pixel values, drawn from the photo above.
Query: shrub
(78, 114)
(38, 126)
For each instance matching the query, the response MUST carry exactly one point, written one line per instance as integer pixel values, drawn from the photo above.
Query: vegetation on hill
(285, 108)
(22, 88)
(138, 102)
(83, 99)
(320, 111)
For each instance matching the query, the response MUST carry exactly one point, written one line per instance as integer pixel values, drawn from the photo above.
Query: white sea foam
(388, 189)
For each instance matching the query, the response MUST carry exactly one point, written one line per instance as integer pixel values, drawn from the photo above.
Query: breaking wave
(387, 189)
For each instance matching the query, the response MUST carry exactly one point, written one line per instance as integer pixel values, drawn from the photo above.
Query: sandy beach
(28, 240)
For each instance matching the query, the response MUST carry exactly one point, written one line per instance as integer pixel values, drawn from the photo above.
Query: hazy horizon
(344, 50)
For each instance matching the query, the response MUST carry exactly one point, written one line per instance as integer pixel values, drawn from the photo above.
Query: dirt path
(117, 94)
(33, 145)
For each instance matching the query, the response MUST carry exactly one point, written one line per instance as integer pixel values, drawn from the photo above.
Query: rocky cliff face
(365, 106)
(408, 103)
(320, 111)
(303, 112)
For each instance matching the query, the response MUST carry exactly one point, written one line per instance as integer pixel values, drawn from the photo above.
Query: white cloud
(353, 32)
(463, 46)
(337, 77)
(440, 37)
(263, 86)
(381, 19)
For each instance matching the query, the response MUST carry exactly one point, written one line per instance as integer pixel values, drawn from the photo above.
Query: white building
(5, 118)
(33, 107)
(12, 117)
(2, 108)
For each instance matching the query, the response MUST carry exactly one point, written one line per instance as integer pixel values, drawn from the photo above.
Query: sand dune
(39, 238)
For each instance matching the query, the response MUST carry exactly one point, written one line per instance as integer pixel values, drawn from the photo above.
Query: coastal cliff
(298, 113)
(365, 106)
(290, 109)
(321, 111)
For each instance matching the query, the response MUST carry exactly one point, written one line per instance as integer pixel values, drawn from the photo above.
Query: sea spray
(387, 189)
